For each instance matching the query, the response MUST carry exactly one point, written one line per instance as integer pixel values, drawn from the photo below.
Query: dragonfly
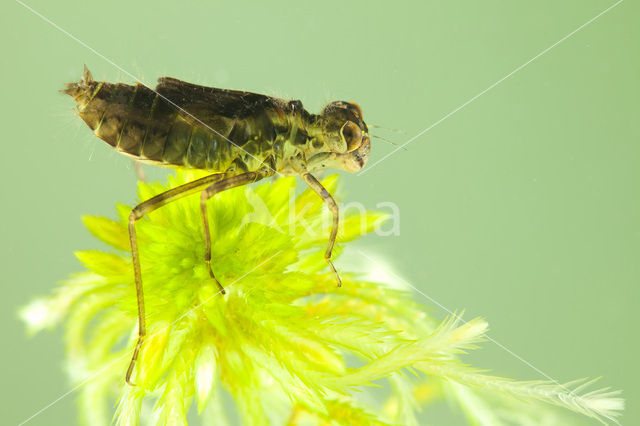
(238, 137)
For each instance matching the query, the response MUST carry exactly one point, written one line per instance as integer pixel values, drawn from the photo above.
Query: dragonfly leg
(137, 165)
(137, 213)
(210, 191)
(139, 291)
(333, 207)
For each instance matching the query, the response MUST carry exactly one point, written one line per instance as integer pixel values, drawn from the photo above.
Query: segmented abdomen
(141, 123)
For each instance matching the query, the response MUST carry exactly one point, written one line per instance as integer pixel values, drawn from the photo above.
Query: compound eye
(352, 135)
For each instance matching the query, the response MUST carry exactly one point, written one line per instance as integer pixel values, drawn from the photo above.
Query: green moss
(280, 339)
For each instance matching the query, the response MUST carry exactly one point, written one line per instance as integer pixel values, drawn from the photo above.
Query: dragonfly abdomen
(122, 116)
(141, 123)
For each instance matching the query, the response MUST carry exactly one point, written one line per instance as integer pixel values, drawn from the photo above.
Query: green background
(521, 207)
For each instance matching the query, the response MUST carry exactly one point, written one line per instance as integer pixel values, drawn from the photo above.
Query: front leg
(333, 207)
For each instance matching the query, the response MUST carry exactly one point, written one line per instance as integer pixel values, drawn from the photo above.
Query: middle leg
(210, 191)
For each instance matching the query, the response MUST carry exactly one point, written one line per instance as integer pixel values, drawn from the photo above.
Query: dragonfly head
(345, 136)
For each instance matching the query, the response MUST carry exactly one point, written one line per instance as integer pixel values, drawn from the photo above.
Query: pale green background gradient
(521, 207)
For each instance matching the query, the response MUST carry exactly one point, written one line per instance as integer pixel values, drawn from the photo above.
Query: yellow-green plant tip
(107, 230)
(105, 264)
(284, 342)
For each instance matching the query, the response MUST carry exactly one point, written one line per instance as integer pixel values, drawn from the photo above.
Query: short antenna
(375, 126)
(388, 141)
